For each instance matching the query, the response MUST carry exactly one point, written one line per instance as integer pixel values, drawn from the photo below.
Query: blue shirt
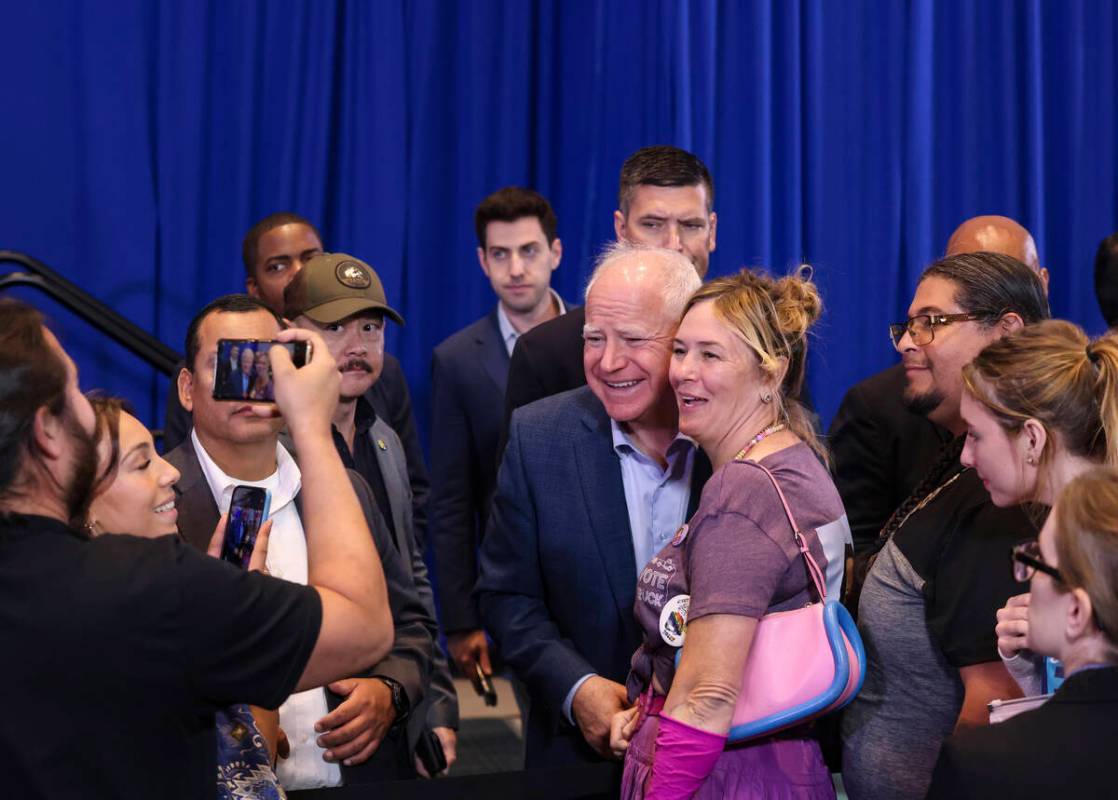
(656, 499)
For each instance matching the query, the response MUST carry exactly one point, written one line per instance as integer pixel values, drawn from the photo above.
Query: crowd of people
(620, 493)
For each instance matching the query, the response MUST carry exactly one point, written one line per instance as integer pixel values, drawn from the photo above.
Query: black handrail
(89, 308)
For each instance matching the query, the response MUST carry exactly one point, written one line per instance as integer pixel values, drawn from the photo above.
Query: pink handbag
(803, 663)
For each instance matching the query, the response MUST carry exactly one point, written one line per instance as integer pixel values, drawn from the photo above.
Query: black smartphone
(430, 752)
(484, 686)
(247, 511)
(244, 372)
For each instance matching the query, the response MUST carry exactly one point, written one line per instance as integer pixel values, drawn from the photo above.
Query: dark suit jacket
(468, 375)
(881, 451)
(390, 399)
(1062, 749)
(546, 360)
(409, 661)
(558, 575)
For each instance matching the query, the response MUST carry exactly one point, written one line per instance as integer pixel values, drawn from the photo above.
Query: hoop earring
(767, 397)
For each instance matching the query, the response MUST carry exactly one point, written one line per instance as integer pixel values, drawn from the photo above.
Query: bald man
(882, 449)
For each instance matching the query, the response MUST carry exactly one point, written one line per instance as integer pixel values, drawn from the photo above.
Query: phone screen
(247, 512)
(243, 371)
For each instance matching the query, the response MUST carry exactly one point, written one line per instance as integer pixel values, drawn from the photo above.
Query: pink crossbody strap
(812, 567)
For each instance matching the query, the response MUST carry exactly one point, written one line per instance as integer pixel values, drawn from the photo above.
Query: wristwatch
(400, 703)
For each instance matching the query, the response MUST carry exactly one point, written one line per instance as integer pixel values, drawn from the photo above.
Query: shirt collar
(509, 334)
(364, 415)
(283, 484)
(623, 445)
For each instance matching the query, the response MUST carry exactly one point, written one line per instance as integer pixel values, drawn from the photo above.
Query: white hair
(677, 276)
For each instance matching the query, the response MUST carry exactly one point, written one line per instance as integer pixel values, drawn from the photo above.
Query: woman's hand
(257, 562)
(621, 729)
(1013, 626)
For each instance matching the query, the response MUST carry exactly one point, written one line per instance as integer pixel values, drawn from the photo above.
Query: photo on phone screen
(243, 371)
(247, 511)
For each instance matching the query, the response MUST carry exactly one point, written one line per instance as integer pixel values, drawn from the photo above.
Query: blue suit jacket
(558, 575)
(468, 375)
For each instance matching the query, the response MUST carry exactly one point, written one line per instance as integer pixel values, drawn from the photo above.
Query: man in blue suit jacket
(518, 249)
(592, 483)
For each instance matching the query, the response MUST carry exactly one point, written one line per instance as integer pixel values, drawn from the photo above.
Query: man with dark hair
(929, 601)
(231, 445)
(124, 645)
(275, 249)
(342, 298)
(518, 249)
(881, 448)
(665, 199)
(1106, 279)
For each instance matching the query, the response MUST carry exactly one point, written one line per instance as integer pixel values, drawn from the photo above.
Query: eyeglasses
(1027, 561)
(922, 327)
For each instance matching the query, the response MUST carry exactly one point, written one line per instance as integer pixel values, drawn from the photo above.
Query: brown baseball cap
(333, 286)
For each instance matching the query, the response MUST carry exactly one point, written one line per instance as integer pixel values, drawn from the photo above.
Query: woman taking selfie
(1065, 747)
(1041, 407)
(737, 365)
(134, 495)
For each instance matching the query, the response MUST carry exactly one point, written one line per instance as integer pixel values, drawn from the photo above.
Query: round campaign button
(680, 535)
(673, 620)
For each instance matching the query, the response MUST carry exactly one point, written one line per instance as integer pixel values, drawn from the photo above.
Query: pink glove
(684, 757)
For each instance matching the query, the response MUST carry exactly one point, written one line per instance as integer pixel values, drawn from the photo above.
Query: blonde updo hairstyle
(1053, 373)
(772, 316)
(1087, 545)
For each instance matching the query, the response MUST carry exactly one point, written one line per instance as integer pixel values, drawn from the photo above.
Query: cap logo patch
(353, 275)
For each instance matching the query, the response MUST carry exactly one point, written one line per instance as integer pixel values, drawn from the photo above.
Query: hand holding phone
(247, 511)
(243, 368)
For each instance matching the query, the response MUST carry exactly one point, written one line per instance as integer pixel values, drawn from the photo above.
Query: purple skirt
(774, 769)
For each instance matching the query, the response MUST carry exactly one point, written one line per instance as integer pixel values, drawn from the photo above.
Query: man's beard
(922, 404)
(78, 493)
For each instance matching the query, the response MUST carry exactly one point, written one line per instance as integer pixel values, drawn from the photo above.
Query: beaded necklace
(769, 431)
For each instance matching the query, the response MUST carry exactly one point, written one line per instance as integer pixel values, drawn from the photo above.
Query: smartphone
(243, 371)
(247, 511)
(430, 751)
(484, 686)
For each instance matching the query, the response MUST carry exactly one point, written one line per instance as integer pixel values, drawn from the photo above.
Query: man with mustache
(342, 298)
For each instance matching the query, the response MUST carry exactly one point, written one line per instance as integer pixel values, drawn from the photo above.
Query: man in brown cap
(342, 298)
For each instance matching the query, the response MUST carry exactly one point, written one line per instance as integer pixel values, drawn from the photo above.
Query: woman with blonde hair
(1041, 407)
(1065, 747)
(737, 365)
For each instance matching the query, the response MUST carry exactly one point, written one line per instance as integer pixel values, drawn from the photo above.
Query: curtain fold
(139, 144)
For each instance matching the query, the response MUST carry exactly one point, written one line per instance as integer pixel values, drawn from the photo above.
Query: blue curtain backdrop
(140, 140)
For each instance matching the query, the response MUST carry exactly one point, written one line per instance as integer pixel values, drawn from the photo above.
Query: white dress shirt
(287, 559)
(509, 334)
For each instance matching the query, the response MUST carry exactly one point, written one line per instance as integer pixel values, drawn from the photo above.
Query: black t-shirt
(363, 459)
(117, 651)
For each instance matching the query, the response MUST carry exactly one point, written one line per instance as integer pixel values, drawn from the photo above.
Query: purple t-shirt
(736, 556)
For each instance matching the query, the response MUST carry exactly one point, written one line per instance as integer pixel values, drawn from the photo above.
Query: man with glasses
(882, 448)
(939, 574)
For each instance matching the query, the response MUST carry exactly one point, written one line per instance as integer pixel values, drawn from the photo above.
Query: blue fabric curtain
(140, 140)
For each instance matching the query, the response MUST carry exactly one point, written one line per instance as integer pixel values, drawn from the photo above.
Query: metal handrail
(89, 308)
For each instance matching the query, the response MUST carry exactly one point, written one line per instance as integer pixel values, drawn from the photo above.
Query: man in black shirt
(119, 649)
(342, 298)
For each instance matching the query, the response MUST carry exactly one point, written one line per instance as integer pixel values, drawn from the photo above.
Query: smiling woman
(133, 493)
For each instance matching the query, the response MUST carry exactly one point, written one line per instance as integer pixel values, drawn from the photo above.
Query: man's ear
(186, 389)
(1010, 322)
(713, 231)
(556, 253)
(619, 225)
(49, 434)
(251, 286)
(481, 260)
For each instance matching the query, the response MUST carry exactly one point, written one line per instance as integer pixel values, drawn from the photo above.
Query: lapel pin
(381, 444)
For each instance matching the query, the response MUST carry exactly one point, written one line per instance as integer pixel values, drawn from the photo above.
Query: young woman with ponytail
(1041, 408)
